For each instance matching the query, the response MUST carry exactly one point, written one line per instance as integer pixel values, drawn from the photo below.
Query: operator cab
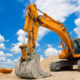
(77, 46)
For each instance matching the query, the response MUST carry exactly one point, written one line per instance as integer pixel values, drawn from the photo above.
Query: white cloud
(1, 53)
(18, 57)
(1, 38)
(77, 22)
(4, 66)
(21, 32)
(15, 60)
(8, 63)
(77, 29)
(78, 2)
(51, 51)
(7, 40)
(71, 32)
(2, 46)
(32, 1)
(39, 50)
(8, 54)
(16, 48)
(37, 44)
(60, 46)
(5, 55)
(8, 60)
(41, 58)
(57, 9)
(42, 32)
(49, 45)
(21, 39)
(2, 59)
(24, 13)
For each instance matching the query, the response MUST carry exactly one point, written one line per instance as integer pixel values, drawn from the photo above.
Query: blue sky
(12, 19)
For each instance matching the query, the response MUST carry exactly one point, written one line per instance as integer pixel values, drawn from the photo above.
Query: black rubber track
(78, 64)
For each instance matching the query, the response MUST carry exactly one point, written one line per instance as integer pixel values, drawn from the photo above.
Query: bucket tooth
(30, 68)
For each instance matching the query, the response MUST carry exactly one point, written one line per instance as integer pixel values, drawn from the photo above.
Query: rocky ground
(61, 75)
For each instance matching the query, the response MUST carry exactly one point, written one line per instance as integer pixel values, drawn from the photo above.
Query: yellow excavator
(29, 64)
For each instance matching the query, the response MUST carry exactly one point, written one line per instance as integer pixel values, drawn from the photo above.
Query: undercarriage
(63, 65)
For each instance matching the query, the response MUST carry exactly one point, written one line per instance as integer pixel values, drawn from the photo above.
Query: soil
(61, 75)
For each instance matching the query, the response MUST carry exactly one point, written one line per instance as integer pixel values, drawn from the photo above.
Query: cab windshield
(77, 46)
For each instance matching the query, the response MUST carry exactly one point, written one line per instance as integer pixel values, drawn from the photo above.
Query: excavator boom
(32, 23)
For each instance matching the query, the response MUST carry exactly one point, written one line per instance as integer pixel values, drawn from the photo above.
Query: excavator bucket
(30, 68)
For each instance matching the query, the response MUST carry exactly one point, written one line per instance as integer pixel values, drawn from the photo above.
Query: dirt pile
(61, 75)
(46, 62)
